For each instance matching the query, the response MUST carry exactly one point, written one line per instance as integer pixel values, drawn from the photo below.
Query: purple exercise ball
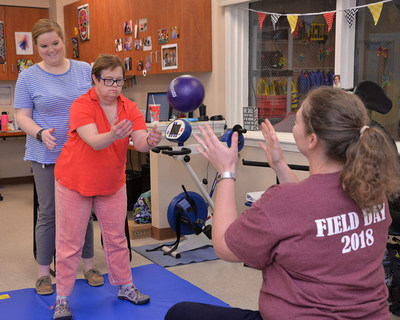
(185, 93)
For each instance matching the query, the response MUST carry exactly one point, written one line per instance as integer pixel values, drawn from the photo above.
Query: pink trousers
(72, 215)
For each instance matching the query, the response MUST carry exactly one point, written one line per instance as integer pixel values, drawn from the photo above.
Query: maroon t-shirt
(320, 255)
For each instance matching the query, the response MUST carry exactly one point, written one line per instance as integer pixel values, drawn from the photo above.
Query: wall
(213, 82)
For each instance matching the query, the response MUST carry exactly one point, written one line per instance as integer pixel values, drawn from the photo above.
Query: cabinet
(17, 19)
(106, 18)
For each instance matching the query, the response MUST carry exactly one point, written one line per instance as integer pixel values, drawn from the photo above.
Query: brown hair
(370, 162)
(43, 26)
(104, 62)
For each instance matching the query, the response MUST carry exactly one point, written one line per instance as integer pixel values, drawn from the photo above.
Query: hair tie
(362, 130)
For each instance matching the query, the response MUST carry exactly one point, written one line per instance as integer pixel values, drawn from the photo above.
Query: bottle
(4, 121)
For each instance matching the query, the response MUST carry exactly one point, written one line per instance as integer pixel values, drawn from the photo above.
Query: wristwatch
(39, 135)
(226, 175)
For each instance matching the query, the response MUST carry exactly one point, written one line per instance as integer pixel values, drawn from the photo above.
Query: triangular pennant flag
(274, 19)
(308, 19)
(329, 19)
(376, 10)
(350, 15)
(292, 21)
(261, 17)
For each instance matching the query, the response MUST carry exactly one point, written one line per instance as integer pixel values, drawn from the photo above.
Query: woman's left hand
(221, 157)
(154, 137)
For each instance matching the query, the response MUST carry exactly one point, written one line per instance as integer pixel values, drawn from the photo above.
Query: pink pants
(72, 215)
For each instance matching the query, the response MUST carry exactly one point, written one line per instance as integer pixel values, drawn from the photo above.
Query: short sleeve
(253, 235)
(81, 113)
(22, 95)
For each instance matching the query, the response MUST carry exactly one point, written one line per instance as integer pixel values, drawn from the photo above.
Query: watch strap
(226, 175)
(39, 135)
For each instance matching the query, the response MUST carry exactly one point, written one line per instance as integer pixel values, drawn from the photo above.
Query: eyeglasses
(110, 82)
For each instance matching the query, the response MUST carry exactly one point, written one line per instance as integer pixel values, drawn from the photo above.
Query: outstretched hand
(221, 157)
(121, 129)
(272, 148)
(154, 137)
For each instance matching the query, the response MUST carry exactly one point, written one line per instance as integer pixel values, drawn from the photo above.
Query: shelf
(273, 72)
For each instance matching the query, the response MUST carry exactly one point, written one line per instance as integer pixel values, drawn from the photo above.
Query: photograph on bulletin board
(118, 45)
(147, 45)
(128, 27)
(23, 43)
(142, 24)
(128, 64)
(162, 35)
(128, 44)
(169, 56)
(83, 22)
(175, 34)
(138, 45)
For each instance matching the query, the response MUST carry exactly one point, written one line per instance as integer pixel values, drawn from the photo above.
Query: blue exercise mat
(206, 253)
(90, 303)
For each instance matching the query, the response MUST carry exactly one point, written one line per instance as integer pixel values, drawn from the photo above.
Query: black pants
(201, 311)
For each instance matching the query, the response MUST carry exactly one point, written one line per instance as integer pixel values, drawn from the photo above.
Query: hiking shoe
(43, 286)
(94, 278)
(133, 295)
(61, 310)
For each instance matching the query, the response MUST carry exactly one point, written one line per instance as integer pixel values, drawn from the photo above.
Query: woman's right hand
(121, 129)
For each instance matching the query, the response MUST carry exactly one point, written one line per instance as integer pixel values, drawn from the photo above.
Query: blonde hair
(43, 26)
(370, 162)
(104, 62)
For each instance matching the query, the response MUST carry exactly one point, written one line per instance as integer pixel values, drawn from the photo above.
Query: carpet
(198, 255)
(90, 303)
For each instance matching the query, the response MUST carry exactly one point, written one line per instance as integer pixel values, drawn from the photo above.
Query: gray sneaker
(133, 295)
(61, 310)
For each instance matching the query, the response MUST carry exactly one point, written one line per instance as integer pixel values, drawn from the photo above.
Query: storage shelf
(273, 72)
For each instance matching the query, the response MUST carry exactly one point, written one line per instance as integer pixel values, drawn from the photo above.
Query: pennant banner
(307, 21)
(350, 15)
(329, 19)
(292, 21)
(275, 18)
(261, 17)
(376, 10)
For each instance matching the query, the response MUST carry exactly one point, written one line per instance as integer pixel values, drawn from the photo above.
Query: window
(285, 65)
(377, 58)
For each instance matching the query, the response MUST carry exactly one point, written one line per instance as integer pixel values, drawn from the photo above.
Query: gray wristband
(226, 175)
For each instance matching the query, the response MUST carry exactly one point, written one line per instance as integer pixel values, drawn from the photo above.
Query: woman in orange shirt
(90, 171)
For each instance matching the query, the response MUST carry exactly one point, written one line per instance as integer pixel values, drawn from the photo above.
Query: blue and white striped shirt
(50, 96)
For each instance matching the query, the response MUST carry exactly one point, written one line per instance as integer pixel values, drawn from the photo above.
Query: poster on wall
(2, 44)
(23, 64)
(128, 27)
(162, 35)
(83, 22)
(142, 24)
(23, 43)
(147, 46)
(169, 56)
(75, 48)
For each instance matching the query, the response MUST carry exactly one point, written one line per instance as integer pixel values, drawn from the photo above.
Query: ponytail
(371, 170)
(370, 162)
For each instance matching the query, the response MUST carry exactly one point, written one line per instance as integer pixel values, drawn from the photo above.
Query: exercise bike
(190, 213)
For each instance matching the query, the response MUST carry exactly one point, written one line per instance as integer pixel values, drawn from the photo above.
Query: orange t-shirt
(81, 168)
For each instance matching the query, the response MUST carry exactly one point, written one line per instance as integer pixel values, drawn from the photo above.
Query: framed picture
(169, 56)
(23, 43)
